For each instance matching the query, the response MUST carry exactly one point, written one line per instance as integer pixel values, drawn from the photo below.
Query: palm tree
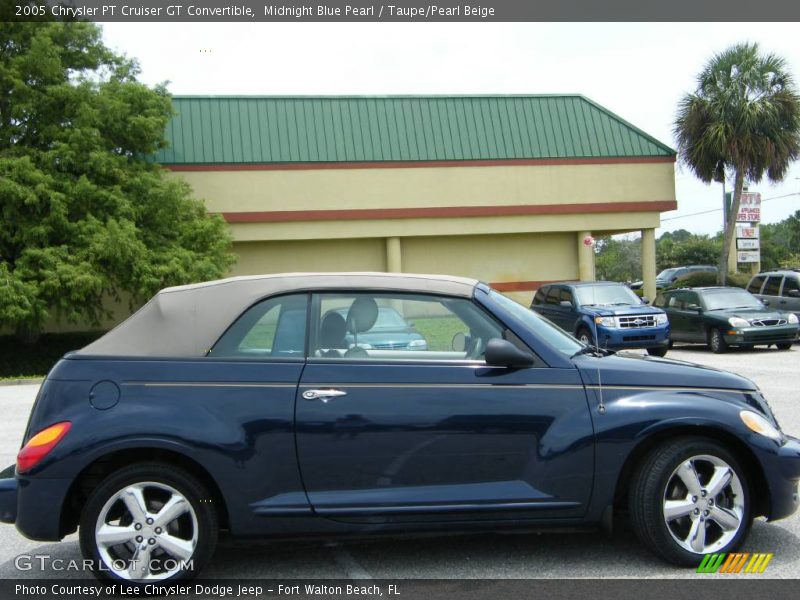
(743, 119)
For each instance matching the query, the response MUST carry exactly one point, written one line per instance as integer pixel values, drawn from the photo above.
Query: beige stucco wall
(242, 191)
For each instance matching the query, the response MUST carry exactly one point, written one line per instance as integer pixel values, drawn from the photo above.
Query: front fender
(634, 417)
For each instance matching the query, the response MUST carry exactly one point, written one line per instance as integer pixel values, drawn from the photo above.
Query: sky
(637, 70)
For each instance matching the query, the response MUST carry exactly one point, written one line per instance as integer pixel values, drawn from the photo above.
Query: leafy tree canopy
(85, 216)
(742, 119)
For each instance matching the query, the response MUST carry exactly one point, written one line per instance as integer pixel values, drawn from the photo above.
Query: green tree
(85, 215)
(743, 119)
(618, 259)
(682, 248)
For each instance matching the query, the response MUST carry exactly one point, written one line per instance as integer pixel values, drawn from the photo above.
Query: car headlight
(605, 321)
(738, 322)
(792, 319)
(661, 319)
(417, 345)
(758, 424)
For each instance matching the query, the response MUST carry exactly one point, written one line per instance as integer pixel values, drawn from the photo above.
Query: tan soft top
(185, 321)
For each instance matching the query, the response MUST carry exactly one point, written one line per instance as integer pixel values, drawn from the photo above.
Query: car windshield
(605, 294)
(730, 298)
(666, 273)
(552, 335)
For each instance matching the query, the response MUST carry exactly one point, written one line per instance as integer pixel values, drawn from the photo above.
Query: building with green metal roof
(502, 188)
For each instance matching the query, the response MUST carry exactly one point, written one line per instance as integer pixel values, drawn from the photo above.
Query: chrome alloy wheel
(146, 531)
(704, 504)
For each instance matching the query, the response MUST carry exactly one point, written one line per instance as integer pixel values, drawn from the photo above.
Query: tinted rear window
(773, 285)
(755, 284)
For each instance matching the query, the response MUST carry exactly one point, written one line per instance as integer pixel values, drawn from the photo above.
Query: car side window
(275, 327)
(565, 294)
(790, 284)
(773, 285)
(388, 326)
(754, 287)
(660, 301)
(691, 298)
(553, 295)
(539, 297)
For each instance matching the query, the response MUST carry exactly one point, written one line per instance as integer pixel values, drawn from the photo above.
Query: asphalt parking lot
(545, 555)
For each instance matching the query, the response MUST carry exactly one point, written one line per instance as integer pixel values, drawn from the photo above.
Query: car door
(790, 294)
(437, 434)
(695, 324)
(771, 292)
(675, 307)
(562, 308)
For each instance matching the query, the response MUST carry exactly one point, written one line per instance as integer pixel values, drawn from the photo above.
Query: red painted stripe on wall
(520, 286)
(444, 212)
(421, 164)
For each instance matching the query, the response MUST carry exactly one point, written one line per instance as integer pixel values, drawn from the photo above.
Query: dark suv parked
(778, 289)
(618, 316)
(669, 276)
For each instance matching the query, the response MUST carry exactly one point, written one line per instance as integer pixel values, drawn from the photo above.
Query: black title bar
(406, 11)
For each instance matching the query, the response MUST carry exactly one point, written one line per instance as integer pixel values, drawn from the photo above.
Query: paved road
(484, 556)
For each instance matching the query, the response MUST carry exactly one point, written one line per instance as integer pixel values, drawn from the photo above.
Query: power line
(705, 212)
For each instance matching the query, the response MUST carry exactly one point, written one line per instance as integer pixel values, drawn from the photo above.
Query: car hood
(622, 309)
(645, 371)
(750, 314)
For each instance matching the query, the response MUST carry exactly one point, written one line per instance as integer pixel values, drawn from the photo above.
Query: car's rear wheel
(716, 342)
(688, 498)
(784, 346)
(149, 522)
(657, 351)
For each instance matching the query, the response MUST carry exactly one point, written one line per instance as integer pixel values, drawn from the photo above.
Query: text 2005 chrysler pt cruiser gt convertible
(249, 405)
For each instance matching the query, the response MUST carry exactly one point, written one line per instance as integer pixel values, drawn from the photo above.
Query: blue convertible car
(241, 405)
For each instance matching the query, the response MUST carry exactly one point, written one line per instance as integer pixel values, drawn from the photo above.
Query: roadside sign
(744, 244)
(745, 231)
(749, 208)
(748, 256)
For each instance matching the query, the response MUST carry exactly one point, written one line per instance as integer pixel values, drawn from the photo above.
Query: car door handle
(323, 395)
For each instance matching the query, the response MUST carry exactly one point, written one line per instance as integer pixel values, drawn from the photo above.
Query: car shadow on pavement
(550, 554)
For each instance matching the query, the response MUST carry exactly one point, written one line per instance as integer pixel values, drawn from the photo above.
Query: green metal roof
(280, 129)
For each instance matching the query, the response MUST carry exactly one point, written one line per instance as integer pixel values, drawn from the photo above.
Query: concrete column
(733, 264)
(649, 263)
(394, 261)
(585, 258)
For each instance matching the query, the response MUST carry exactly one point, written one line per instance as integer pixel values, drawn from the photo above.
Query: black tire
(202, 519)
(649, 488)
(716, 342)
(585, 336)
(660, 352)
(671, 343)
(784, 346)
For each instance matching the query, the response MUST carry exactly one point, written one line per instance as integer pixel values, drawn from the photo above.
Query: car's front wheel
(148, 522)
(690, 497)
(784, 346)
(662, 352)
(585, 336)
(716, 342)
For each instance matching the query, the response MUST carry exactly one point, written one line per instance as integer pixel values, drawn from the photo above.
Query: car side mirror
(565, 304)
(645, 300)
(793, 293)
(695, 307)
(765, 302)
(502, 353)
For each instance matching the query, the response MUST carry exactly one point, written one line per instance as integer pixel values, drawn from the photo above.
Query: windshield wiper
(594, 351)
